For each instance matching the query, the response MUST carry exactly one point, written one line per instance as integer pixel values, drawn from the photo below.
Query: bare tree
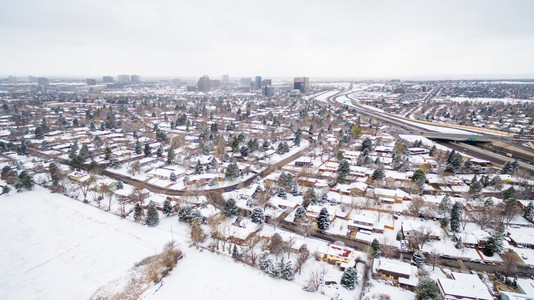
(304, 254)
(290, 244)
(434, 258)
(135, 168)
(251, 249)
(416, 205)
(316, 280)
(84, 187)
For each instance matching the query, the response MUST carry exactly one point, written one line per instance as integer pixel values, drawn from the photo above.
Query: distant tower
(245, 81)
(107, 79)
(257, 82)
(225, 78)
(43, 83)
(123, 78)
(301, 83)
(91, 81)
(135, 79)
(203, 84)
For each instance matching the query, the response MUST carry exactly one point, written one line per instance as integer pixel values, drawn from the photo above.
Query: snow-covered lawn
(54, 247)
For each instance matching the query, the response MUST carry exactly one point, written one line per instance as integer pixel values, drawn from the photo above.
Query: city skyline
(348, 39)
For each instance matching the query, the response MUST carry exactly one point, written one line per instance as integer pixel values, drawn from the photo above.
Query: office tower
(43, 83)
(214, 83)
(203, 84)
(135, 79)
(266, 82)
(301, 83)
(257, 82)
(267, 91)
(225, 78)
(123, 78)
(91, 81)
(107, 79)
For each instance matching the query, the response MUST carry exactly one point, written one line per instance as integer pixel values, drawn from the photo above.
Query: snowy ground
(54, 247)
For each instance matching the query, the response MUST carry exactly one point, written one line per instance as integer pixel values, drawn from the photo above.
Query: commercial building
(123, 78)
(257, 83)
(266, 82)
(135, 79)
(107, 79)
(267, 91)
(225, 78)
(301, 83)
(91, 81)
(246, 81)
(203, 84)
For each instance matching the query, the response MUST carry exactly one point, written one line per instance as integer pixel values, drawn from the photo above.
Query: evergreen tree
(73, 150)
(342, 171)
(489, 248)
(419, 178)
(5, 190)
(234, 252)
(138, 148)
(43, 146)
(300, 213)
(375, 248)
(378, 174)
(170, 156)
(25, 182)
(84, 152)
(167, 208)
(349, 279)
(119, 185)
(432, 150)
(159, 152)
(39, 134)
(509, 194)
(367, 144)
(232, 172)
(339, 156)
(93, 167)
(54, 174)
(282, 193)
(230, 208)
(138, 212)
(76, 162)
(475, 188)
(286, 270)
(427, 289)
(257, 216)
(529, 212)
(147, 150)
(444, 205)
(499, 238)
(455, 217)
(244, 150)
(107, 154)
(188, 214)
(418, 259)
(152, 215)
(298, 135)
(172, 177)
(323, 220)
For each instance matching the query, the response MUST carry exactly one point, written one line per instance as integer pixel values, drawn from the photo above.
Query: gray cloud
(273, 38)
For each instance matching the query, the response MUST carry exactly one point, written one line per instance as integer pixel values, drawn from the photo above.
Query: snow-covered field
(54, 247)
(485, 100)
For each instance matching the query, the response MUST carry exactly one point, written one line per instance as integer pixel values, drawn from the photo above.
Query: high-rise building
(301, 83)
(214, 83)
(245, 81)
(32, 79)
(266, 82)
(107, 79)
(225, 78)
(135, 79)
(91, 81)
(123, 78)
(257, 82)
(203, 84)
(267, 91)
(43, 83)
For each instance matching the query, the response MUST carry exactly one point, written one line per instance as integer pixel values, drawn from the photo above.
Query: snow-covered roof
(464, 286)
(393, 266)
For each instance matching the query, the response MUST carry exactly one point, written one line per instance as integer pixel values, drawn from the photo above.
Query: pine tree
(339, 156)
(475, 188)
(367, 144)
(167, 208)
(152, 215)
(138, 212)
(107, 154)
(427, 289)
(455, 217)
(147, 151)
(444, 205)
(39, 134)
(257, 216)
(499, 237)
(232, 172)
(509, 194)
(298, 135)
(172, 177)
(120, 185)
(378, 174)
(323, 220)
(138, 148)
(432, 150)
(230, 208)
(375, 248)
(282, 193)
(287, 270)
(349, 279)
(25, 182)
(234, 252)
(418, 259)
(529, 212)
(419, 178)
(159, 152)
(300, 212)
(170, 156)
(84, 152)
(342, 171)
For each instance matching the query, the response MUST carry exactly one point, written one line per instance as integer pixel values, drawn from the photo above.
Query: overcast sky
(323, 38)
